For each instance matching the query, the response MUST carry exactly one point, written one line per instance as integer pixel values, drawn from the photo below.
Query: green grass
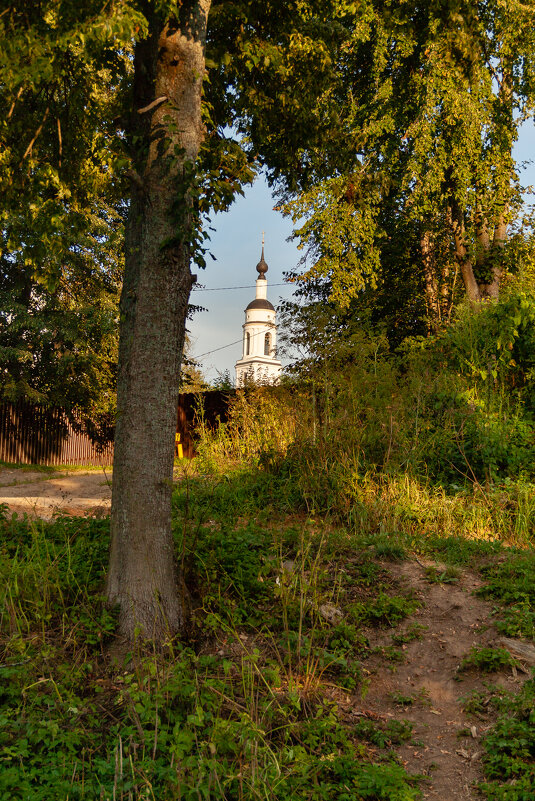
(241, 712)
(24, 468)
(512, 583)
(244, 708)
(486, 660)
(51, 470)
(449, 575)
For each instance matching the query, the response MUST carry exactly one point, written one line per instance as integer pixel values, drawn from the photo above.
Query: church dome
(260, 303)
(262, 267)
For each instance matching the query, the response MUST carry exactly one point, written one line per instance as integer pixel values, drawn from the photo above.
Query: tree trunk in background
(491, 230)
(462, 255)
(478, 291)
(431, 283)
(166, 133)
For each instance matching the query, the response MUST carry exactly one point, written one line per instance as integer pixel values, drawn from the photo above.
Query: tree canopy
(63, 70)
(416, 128)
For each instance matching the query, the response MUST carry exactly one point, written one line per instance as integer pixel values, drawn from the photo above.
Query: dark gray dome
(260, 303)
(262, 267)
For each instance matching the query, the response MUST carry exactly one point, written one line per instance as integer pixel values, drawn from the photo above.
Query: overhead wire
(230, 344)
(221, 288)
(208, 352)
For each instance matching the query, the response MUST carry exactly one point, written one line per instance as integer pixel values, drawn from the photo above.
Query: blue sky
(236, 244)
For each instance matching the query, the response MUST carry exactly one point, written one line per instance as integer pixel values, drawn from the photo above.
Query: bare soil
(446, 743)
(44, 494)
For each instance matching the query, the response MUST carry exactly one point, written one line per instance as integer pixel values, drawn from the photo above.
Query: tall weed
(424, 440)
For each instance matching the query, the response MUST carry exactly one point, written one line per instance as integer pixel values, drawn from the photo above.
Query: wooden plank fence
(31, 434)
(212, 405)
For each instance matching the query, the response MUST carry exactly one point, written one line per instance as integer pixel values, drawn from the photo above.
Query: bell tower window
(247, 343)
(267, 344)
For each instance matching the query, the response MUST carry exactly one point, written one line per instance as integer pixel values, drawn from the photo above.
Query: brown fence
(37, 435)
(211, 405)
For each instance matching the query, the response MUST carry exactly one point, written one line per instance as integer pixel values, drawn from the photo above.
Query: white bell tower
(259, 364)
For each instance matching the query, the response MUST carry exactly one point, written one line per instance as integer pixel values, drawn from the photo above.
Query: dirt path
(40, 494)
(446, 742)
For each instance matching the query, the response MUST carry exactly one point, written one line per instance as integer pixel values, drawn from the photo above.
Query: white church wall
(257, 365)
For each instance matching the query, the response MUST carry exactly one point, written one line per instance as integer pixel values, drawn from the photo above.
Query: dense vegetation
(253, 703)
(445, 419)
(292, 509)
(405, 429)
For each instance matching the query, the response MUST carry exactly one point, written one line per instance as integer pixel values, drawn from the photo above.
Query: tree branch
(12, 109)
(38, 131)
(154, 104)
(60, 142)
(136, 179)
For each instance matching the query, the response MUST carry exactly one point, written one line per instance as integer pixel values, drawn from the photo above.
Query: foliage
(386, 609)
(450, 575)
(486, 660)
(427, 440)
(191, 376)
(455, 408)
(494, 348)
(224, 381)
(260, 424)
(513, 584)
(393, 733)
(59, 348)
(509, 749)
(246, 707)
(241, 714)
(62, 71)
(417, 174)
(52, 579)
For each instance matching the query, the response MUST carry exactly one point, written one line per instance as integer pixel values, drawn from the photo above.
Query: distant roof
(260, 303)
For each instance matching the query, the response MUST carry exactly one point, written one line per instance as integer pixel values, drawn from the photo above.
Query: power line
(230, 344)
(224, 288)
(208, 352)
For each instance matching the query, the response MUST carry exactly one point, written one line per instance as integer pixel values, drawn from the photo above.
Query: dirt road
(43, 494)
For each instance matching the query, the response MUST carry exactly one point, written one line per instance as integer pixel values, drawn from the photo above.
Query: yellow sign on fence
(179, 448)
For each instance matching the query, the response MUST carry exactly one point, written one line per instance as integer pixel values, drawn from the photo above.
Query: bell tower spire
(259, 363)
(261, 267)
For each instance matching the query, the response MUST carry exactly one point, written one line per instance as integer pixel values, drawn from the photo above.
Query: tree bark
(461, 252)
(500, 234)
(431, 284)
(482, 237)
(143, 579)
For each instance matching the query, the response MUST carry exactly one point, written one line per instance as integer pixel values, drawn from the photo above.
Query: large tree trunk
(166, 133)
